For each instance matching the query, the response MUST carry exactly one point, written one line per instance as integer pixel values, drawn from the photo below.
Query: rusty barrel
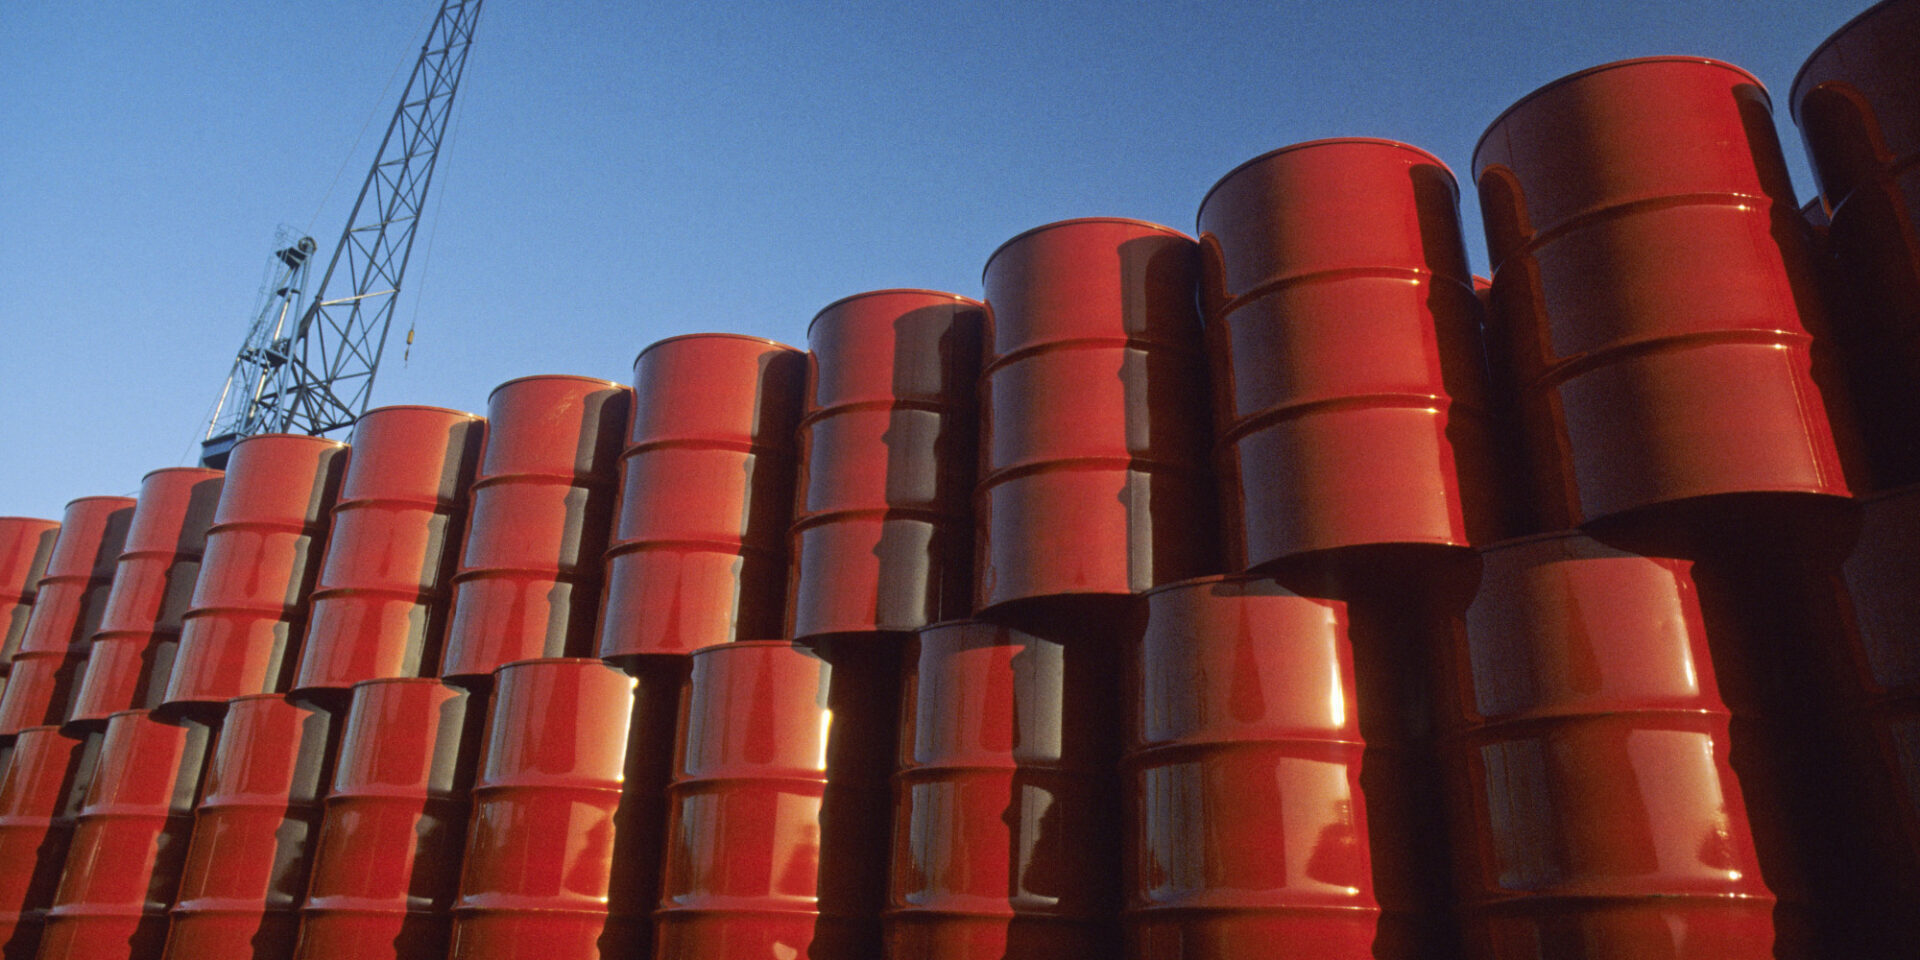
(70, 600)
(1006, 835)
(386, 864)
(1349, 377)
(241, 632)
(253, 829)
(1093, 430)
(883, 522)
(46, 777)
(1857, 103)
(1656, 286)
(529, 572)
(380, 607)
(25, 545)
(548, 846)
(699, 552)
(129, 842)
(152, 587)
(1596, 807)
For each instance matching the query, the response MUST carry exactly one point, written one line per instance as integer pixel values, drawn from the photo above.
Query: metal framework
(318, 377)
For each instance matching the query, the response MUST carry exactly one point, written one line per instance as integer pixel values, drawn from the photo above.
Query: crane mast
(317, 377)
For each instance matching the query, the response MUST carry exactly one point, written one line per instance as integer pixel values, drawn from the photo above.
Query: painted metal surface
(529, 572)
(1093, 430)
(380, 607)
(133, 652)
(70, 600)
(1349, 377)
(240, 636)
(883, 522)
(1005, 804)
(46, 776)
(699, 552)
(25, 545)
(548, 828)
(1655, 282)
(1249, 828)
(1857, 102)
(386, 863)
(130, 841)
(1597, 809)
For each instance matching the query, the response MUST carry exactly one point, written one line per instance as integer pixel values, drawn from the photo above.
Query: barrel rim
(52, 523)
(423, 406)
(104, 497)
(410, 681)
(537, 661)
(721, 335)
(326, 441)
(208, 472)
(1794, 93)
(1241, 577)
(1326, 142)
(1076, 221)
(554, 376)
(761, 644)
(892, 291)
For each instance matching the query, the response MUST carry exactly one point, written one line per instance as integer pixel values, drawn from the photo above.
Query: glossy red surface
(883, 524)
(1005, 816)
(46, 775)
(1857, 101)
(123, 866)
(699, 552)
(386, 863)
(253, 831)
(152, 586)
(1882, 615)
(380, 607)
(1654, 280)
(529, 572)
(1093, 430)
(1597, 811)
(25, 545)
(548, 826)
(69, 602)
(241, 633)
(1349, 378)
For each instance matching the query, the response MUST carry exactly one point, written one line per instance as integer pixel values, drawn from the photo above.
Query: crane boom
(318, 377)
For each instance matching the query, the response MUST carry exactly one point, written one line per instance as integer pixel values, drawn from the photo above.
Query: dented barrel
(380, 606)
(40, 792)
(529, 572)
(699, 551)
(241, 634)
(25, 545)
(153, 584)
(1093, 431)
(1655, 283)
(883, 523)
(1350, 387)
(70, 600)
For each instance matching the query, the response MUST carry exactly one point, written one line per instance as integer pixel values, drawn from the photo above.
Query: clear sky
(620, 173)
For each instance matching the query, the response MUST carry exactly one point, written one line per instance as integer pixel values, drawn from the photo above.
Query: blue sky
(616, 176)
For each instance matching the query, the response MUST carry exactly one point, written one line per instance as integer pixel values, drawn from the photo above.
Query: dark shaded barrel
(25, 545)
(699, 554)
(1349, 376)
(530, 566)
(386, 863)
(70, 600)
(263, 552)
(253, 831)
(1093, 430)
(883, 520)
(130, 841)
(1655, 283)
(46, 776)
(380, 607)
(152, 587)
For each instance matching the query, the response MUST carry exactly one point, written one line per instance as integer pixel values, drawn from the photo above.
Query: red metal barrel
(1655, 281)
(386, 865)
(1093, 427)
(1597, 811)
(699, 553)
(1857, 102)
(140, 629)
(547, 860)
(262, 556)
(1350, 390)
(529, 571)
(70, 600)
(246, 871)
(46, 776)
(25, 545)
(123, 866)
(1006, 838)
(883, 525)
(380, 607)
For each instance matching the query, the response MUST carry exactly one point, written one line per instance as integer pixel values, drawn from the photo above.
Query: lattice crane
(308, 362)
